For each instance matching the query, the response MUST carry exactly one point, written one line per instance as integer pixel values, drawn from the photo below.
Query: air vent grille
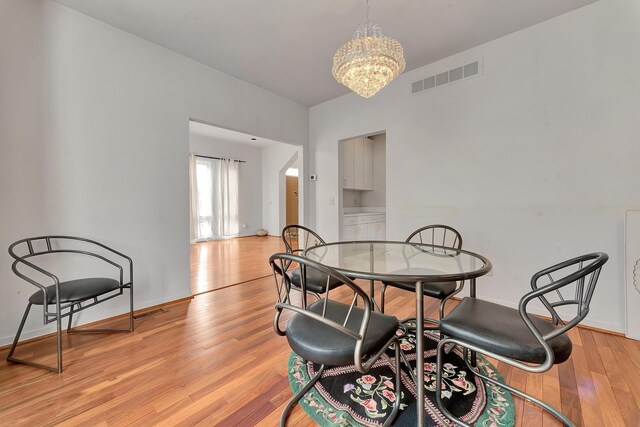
(442, 79)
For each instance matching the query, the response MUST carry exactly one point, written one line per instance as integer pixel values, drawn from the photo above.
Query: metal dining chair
(516, 336)
(441, 235)
(36, 261)
(297, 239)
(332, 332)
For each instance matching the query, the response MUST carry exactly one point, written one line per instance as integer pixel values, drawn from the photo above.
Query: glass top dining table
(400, 261)
(404, 262)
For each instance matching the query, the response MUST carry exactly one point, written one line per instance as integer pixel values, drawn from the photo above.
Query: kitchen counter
(359, 225)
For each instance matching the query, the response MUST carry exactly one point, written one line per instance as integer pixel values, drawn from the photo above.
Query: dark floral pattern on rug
(345, 397)
(311, 399)
(453, 380)
(408, 343)
(376, 395)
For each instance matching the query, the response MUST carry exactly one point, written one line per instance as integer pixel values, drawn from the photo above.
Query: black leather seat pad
(323, 344)
(501, 330)
(434, 290)
(76, 290)
(316, 280)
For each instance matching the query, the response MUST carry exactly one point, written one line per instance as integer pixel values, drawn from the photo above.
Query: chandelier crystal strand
(369, 61)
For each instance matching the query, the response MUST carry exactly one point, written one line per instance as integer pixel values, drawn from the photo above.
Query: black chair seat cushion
(320, 343)
(76, 290)
(316, 280)
(439, 290)
(501, 330)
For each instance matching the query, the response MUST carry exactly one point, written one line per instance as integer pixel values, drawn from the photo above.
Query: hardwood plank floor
(215, 360)
(219, 263)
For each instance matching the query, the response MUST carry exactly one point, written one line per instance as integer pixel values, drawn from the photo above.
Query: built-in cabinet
(363, 200)
(364, 226)
(357, 163)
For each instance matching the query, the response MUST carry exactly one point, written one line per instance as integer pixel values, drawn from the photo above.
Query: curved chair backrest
(26, 251)
(437, 234)
(297, 238)
(578, 276)
(295, 304)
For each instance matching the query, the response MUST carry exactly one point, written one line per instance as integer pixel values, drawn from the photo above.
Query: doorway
(292, 196)
(219, 260)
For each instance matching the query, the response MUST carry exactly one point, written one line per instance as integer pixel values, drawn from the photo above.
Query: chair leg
(408, 365)
(59, 338)
(15, 340)
(71, 330)
(97, 331)
(382, 291)
(468, 360)
(70, 319)
(441, 309)
(298, 396)
(553, 411)
(398, 394)
(12, 359)
(449, 415)
(131, 307)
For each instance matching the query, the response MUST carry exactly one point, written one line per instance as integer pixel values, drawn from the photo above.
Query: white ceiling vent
(454, 75)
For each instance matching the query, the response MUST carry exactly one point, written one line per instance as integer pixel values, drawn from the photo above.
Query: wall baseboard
(101, 321)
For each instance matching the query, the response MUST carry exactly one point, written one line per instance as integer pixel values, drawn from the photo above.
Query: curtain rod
(220, 158)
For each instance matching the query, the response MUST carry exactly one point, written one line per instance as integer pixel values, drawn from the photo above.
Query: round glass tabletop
(399, 261)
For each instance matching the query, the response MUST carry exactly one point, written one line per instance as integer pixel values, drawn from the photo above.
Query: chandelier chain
(367, 15)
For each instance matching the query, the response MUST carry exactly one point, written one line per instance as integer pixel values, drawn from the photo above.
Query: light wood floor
(215, 360)
(220, 263)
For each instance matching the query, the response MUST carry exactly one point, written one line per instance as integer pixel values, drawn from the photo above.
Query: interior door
(292, 200)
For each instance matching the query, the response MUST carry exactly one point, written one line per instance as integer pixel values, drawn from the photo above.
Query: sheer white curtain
(227, 218)
(214, 191)
(193, 199)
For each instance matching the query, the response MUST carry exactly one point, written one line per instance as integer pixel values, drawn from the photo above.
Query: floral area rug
(346, 397)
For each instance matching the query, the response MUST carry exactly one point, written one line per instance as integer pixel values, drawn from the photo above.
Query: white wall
(250, 200)
(94, 130)
(534, 162)
(276, 159)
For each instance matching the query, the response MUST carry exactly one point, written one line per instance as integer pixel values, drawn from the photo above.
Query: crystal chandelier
(369, 61)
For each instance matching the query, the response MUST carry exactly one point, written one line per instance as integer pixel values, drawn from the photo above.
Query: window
(215, 197)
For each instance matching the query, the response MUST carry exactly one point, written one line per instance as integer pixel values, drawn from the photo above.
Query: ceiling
(287, 46)
(227, 135)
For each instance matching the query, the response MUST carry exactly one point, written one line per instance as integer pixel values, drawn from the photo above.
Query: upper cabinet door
(358, 163)
(347, 163)
(367, 160)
